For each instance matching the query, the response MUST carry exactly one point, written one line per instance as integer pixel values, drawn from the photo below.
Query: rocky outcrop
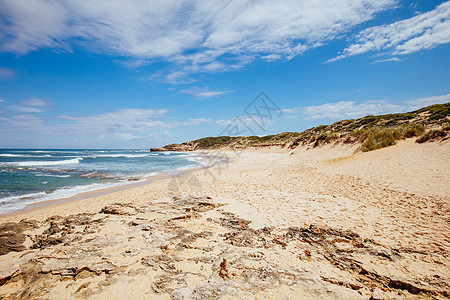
(12, 236)
(188, 146)
(97, 175)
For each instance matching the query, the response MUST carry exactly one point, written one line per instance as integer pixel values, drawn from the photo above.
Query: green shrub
(332, 136)
(367, 120)
(319, 128)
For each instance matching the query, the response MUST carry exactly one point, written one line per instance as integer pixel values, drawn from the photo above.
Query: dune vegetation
(372, 132)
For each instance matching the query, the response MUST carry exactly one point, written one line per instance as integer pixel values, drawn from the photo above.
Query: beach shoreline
(98, 192)
(384, 211)
(201, 156)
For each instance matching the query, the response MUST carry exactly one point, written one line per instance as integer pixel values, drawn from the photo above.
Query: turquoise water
(33, 175)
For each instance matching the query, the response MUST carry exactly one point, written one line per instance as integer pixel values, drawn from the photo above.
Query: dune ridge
(371, 132)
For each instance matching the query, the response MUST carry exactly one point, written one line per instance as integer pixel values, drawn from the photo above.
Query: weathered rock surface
(12, 236)
(192, 249)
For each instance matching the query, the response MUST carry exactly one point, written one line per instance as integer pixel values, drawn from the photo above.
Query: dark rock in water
(133, 179)
(97, 175)
(157, 149)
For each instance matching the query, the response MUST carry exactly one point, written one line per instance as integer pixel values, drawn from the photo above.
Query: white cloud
(122, 124)
(33, 105)
(198, 121)
(203, 92)
(195, 36)
(34, 101)
(353, 109)
(424, 31)
(426, 101)
(122, 121)
(160, 136)
(396, 59)
(117, 123)
(348, 110)
(272, 57)
(6, 73)
(29, 109)
(122, 136)
(28, 122)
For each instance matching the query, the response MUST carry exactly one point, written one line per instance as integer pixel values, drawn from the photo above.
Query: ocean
(34, 175)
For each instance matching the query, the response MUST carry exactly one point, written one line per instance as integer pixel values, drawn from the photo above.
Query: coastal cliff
(372, 132)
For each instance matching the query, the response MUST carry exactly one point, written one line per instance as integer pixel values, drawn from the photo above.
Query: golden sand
(273, 223)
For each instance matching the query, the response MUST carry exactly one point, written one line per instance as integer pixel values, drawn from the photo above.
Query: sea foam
(42, 162)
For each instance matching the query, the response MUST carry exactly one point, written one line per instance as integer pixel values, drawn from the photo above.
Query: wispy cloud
(120, 125)
(348, 109)
(29, 109)
(426, 101)
(424, 31)
(272, 57)
(6, 73)
(354, 109)
(160, 135)
(126, 120)
(33, 105)
(37, 102)
(194, 36)
(203, 92)
(396, 59)
(119, 122)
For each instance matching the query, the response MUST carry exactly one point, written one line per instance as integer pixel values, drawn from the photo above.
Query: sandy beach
(323, 222)
(293, 149)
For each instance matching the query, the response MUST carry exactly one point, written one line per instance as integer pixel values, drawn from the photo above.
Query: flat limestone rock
(193, 248)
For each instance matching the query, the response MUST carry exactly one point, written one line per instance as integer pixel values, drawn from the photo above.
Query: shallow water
(33, 175)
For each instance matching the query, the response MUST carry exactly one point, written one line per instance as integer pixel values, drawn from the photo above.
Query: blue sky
(140, 74)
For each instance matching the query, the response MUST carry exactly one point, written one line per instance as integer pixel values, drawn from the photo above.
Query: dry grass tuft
(384, 137)
(432, 135)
